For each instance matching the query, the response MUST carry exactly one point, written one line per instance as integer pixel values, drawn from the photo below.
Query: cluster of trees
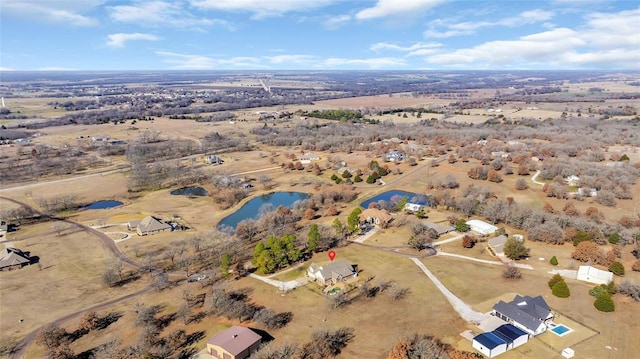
(236, 305)
(559, 287)
(427, 347)
(276, 253)
(589, 251)
(603, 293)
(322, 344)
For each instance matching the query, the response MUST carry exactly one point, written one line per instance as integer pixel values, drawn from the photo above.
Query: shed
(481, 227)
(514, 336)
(594, 275)
(489, 344)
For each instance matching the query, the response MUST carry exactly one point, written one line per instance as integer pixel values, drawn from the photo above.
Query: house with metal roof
(497, 244)
(481, 227)
(594, 275)
(531, 314)
(234, 343)
(502, 339)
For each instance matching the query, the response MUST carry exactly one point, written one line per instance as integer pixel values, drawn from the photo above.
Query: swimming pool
(560, 329)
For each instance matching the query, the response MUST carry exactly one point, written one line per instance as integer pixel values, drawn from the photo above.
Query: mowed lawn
(378, 322)
(67, 280)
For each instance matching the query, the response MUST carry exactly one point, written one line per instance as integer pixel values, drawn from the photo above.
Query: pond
(104, 204)
(191, 191)
(256, 206)
(395, 195)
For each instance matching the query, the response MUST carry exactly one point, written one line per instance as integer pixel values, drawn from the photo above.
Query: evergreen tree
(554, 261)
(604, 304)
(353, 221)
(617, 268)
(313, 238)
(561, 289)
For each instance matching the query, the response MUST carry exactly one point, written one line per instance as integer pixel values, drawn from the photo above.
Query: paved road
(464, 310)
(366, 236)
(454, 238)
(284, 286)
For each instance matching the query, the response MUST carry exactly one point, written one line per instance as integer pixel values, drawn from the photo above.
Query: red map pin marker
(332, 255)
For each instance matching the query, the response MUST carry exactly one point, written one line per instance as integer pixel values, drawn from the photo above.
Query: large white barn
(481, 227)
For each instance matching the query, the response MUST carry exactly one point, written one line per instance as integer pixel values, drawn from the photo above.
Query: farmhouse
(332, 272)
(588, 192)
(394, 156)
(375, 216)
(149, 225)
(594, 275)
(530, 314)
(309, 157)
(497, 244)
(502, 339)
(481, 227)
(13, 258)
(234, 343)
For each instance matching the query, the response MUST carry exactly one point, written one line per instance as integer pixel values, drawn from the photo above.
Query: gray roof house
(394, 156)
(497, 244)
(332, 272)
(13, 258)
(149, 225)
(531, 314)
(214, 160)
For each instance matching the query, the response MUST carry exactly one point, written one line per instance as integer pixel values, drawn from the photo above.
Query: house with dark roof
(332, 272)
(531, 314)
(214, 160)
(234, 343)
(500, 340)
(13, 258)
(149, 225)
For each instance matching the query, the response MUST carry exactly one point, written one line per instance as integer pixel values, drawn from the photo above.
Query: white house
(394, 156)
(530, 314)
(594, 275)
(481, 227)
(502, 339)
(413, 207)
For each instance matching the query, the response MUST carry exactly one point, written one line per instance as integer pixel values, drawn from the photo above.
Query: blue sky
(318, 34)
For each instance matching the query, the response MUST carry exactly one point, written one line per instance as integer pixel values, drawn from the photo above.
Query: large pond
(255, 207)
(191, 191)
(104, 204)
(395, 196)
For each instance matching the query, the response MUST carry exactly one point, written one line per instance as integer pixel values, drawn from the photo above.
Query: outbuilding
(489, 344)
(481, 227)
(594, 275)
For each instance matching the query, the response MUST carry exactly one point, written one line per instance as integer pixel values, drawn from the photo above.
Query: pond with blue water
(253, 208)
(396, 195)
(104, 204)
(191, 191)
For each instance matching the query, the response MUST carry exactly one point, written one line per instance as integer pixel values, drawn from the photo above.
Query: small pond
(396, 195)
(258, 205)
(191, 191)
(104, 204)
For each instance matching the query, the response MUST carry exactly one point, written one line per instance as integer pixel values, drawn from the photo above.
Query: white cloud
(179, 61)
(161, 14)
(61, 11)
(119, 40)
(417, 46)
(371, 63)
(384, 8)
(467, 28)
(606, 30)
(6, 69)
(335, 22)
(262, 8)
(292, 59)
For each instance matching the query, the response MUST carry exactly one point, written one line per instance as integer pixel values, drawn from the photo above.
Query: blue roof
(489, 340)
(510, 331)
